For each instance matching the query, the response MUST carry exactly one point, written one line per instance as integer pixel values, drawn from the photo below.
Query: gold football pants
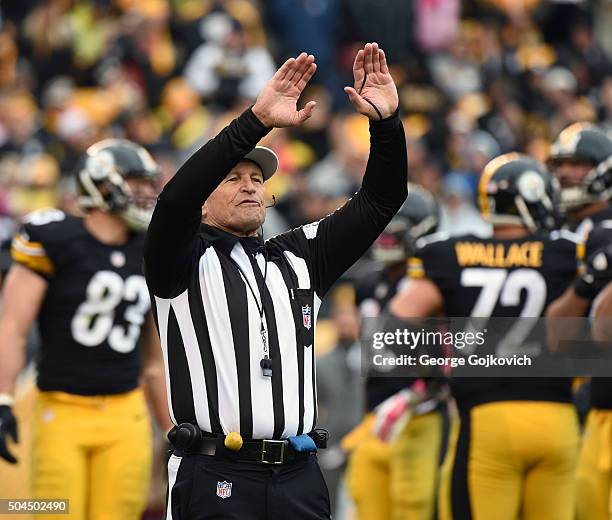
(93, 451)
(511, 460)
(594, 494)
(398, 480)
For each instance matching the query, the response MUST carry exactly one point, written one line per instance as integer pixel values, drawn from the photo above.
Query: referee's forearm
(172, 234)
(345, 235)
(199, 176)
(386, 175)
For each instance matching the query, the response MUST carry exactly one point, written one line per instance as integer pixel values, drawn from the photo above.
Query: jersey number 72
(500, 287)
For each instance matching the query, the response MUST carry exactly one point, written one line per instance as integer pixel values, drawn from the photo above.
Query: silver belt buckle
(264, 451)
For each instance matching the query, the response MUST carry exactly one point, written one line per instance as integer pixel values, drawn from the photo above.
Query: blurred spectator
(458, 216)
(457, 72)
(19, 120)
(436, 24)
(183, 120)
(312, 26)
(224, 68)
(340, 172)
(314, 132)
(391, 27)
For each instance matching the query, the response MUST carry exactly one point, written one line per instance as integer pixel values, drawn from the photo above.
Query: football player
(513, 452)
(81, 279)
(395, 479)
(581, 158)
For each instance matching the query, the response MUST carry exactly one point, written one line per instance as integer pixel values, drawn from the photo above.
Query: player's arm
(337, 241)
(420, 298)
(602, 315)
(23, 294)
(172, 234)
(153, 375)
(578, 298)
(569, 304)
(22, 297)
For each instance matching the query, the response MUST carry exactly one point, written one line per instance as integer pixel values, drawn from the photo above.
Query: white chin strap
(137, 219)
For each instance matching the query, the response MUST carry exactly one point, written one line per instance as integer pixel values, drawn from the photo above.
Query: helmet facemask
(596, 186)
(103, 181)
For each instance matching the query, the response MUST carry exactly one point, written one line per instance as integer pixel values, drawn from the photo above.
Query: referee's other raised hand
(276, 106)
(374, 93)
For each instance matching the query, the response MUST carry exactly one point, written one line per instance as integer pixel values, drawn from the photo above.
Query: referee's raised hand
(374, 93)
(276, 106)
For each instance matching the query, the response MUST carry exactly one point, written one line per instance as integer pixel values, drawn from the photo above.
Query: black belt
(263, 451)
(189, 439)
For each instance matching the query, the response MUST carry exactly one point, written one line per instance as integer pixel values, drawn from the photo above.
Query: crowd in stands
(476, 78)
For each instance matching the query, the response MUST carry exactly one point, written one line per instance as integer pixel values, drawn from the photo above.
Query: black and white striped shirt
(207, 315)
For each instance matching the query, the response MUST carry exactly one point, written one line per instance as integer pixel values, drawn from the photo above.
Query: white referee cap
(265, 158)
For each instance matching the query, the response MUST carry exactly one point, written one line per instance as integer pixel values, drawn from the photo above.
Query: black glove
(8, 427)
(597, 274)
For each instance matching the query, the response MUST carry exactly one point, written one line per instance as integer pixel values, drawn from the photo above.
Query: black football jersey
(499, 278)
(94, 309)
(587, 225)
(596, 232)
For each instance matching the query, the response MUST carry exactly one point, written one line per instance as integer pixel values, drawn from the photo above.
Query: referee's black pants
(290, 491)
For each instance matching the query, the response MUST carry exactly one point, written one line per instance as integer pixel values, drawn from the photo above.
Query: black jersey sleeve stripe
(314, 389)
(291, 280)
(460, 492)
(198, 317)
(181, 394)
(239, 318)
(275, 354)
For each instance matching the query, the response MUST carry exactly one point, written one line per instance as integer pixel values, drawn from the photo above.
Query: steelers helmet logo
(101, 165)
(531, 186)
(600, 262)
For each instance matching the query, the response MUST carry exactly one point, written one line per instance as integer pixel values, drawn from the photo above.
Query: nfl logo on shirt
(306, 316)
(224, 489)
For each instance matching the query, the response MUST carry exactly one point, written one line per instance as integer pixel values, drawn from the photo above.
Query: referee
(236, 316)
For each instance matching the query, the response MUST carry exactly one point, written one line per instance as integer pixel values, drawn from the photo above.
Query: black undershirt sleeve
(345, 235)
(172, 239)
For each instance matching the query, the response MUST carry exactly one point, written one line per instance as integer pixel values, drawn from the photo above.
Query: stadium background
(476, 78)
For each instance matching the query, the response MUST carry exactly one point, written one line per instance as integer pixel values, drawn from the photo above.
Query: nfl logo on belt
(306, 316)
(224, 489)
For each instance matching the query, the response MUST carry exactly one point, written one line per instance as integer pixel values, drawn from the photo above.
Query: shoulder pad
(40, 236)
(607, 224)
(52, 225)
(565, 234)
(43, 217)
